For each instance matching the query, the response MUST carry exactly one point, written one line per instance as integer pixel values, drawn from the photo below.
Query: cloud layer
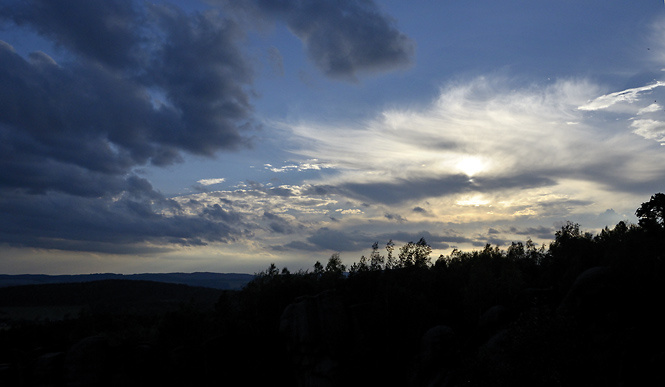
(142, 84)
(484, 153)
(486, 136)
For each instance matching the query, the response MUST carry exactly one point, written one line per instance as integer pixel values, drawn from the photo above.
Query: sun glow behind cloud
(503, 139)
(471, 165)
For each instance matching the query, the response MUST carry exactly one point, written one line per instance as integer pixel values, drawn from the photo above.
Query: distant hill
(223, 281)
(105, 296)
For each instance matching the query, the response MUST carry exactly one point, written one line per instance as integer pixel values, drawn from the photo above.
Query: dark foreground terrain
(585, 311)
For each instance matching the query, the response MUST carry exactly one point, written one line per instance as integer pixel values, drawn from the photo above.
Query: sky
(225, 135)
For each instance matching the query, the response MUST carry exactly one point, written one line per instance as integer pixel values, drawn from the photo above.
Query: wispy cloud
(629, 96)
(652, 128)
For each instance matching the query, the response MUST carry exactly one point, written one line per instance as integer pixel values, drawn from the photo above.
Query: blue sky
(225, 135)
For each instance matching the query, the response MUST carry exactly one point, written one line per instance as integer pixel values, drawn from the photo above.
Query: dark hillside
(109, 295)
(225, 281)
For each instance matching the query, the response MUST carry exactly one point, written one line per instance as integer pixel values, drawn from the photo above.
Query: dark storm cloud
(342, 37)
(105, 31)
(141, 84)
(104, 121)
(204, 75)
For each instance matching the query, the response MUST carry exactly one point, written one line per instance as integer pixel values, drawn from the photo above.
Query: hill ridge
(223, 281)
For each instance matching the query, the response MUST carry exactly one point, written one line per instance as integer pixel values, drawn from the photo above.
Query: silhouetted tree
(318, 269)
(533, 252)
(516, 251)
(415, 254)
(335, 266)
(359, 267)
(271, 271)
(375, 258)
(571, 252)
(652, 213)
(390, 260)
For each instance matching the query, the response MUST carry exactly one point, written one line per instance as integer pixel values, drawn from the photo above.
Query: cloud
(654, 107)
(121, 226)
(541, 232)
(104, 31)
(396, 217)
(628, 95)
(342, 38)
(335, 240)
(103, 121)
(140, 84)
(213, 101)
(650, 129)
(491, 138)
(277, 223)
(418, 188)
(299, 167)
(298, 245)
(211, 181)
